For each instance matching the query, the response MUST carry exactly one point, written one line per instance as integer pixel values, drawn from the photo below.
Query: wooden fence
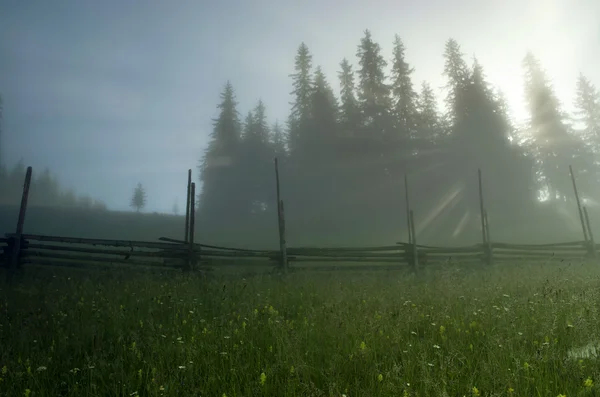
(71, 251)
(19, 249)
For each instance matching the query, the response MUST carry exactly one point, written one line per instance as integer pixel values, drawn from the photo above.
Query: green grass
(459, 331)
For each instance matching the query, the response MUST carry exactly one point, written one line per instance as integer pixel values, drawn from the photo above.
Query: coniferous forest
(350, 139)
(343, 153)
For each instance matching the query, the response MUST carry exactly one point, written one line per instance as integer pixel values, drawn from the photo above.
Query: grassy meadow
(508, 330)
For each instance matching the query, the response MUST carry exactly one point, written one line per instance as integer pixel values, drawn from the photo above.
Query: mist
(102, 99)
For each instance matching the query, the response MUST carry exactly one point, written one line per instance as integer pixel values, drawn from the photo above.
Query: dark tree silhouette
(220, 200)
(404, 97)
(138, 199)
(302, 83)
(342, 159)
(256, 161)
(587, 114)
(553, 142)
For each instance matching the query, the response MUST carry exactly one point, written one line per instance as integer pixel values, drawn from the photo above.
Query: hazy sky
(111, 93)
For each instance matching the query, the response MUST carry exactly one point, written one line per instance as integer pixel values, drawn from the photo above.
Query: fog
(349, 96)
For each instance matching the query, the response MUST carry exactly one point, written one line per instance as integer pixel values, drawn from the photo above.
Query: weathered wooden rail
(20, 249)
(56, 250)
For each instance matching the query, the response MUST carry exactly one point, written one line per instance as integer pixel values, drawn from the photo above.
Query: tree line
(45, 189)
(344, 154)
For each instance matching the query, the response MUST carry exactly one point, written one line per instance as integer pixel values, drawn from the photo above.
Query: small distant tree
(176, 208)
(138, 200)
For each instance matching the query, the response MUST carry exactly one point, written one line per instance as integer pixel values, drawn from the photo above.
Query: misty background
(101, 97)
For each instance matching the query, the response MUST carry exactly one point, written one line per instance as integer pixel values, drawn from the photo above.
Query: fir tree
(376, 147)
(587, 105)
(278, 141)
(256, 159)
(220, 171)
(429, 125)
(302, 83)
(138, 199)
(323, 117)
(458, 74)
(404, 97)
(555, 146)
(350, 118)
(373, 92)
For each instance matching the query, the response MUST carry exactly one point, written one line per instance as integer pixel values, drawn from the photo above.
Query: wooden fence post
(591, 234)
(192, 198)
(412, 247)
(484, 235)
(187, 206)
(407, 209)
(414, 242)
(281, 222)
(488, 238)
(15, 252)
(585, 236)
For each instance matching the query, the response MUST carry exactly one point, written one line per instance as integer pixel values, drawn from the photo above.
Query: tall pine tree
(587, 105)
(373, 91)
(458, 75)
(350, 118)
(404, 97)
(302, 82)
(220, 172)
(278, 141)
(428, 123)
(555, 145)
(256, 159)
(376, 149)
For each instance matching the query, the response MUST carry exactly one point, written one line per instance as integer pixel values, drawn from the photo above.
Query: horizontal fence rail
(176, 254)
(20, 248)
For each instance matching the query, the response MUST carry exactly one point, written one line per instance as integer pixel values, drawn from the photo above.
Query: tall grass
(501, 331)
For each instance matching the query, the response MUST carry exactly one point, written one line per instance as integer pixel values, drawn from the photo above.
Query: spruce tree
(350, 118)
(458, 75)
(220, 171)
(375, 104)
(302, 84)
(323, 118)
(479, 139)
(428, 123)
(587, 105)
(555, 145)
(373, 91)
(404, 97)
(320, 177)
(376, 148)
(278, 141)
(138, 199)
(256, 159)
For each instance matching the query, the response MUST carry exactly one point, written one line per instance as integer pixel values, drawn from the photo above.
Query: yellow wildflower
(263, 378)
